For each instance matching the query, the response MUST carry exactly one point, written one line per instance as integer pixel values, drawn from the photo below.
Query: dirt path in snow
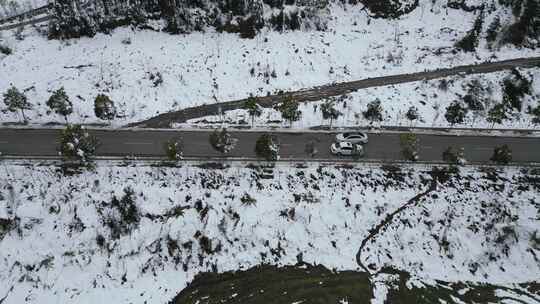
(317, 93)
(26, 15)
(388, 219)
(25, 23)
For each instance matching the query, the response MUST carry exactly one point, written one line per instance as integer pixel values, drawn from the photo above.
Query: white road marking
(138, 143)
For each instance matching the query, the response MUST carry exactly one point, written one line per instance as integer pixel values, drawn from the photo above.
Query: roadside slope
(320, 92)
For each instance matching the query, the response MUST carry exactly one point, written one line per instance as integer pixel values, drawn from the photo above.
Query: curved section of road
(150, 143)
(317, 93)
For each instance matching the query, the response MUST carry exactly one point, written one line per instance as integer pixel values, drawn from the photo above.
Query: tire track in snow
(389, 218)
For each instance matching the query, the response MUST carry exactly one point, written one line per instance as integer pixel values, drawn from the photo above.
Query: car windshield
(352, 135)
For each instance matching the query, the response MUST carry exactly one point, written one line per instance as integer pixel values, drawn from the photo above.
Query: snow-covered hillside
(428, 97)
(202, 68)
(135, 234)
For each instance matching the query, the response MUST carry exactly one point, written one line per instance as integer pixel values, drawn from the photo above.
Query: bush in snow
(104, 107)
(493, 31)
(455, 113)
(123, 216)
(156, 78)
(515, 87)
(302, 16)
(535, 112)
(387, 8)
(412, 114)
(373, 111)
(443, 85)
(253, 108)
(174, 149)
(409, 146)
(248, 200)
(71, 18)
(502, 155)
(77, 144)
(285, 20)
(267, 147)
(289, 109)
(465, 5)
(222, 141)
(247, 27)
(4, 49)
(329, 111)
(474, 99)
(59, 103)
(206, 245)
(454, 156)
(496, 114)
(7, 225)
(470, 41)
(15, 101)
(526, 30)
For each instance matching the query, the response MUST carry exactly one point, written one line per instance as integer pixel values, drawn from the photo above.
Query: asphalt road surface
(150, 143)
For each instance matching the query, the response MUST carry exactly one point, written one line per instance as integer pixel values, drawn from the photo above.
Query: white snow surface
(204, 68)
(53, 257)
(426, 96)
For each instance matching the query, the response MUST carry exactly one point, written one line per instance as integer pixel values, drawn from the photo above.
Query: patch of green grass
(317, 285)
(269, 284)
(454, 293)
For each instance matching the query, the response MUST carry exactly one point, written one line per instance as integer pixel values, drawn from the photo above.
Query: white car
(353, 137)
(346, 148)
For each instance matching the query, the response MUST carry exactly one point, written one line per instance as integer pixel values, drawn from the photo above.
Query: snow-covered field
(203, 68)
(481, 226)
(427, 96)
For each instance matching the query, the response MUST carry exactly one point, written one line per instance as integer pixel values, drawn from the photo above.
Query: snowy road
(150, 143)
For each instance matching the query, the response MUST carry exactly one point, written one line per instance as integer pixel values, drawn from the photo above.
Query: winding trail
(388, 219)
(28, 14)
(25, 23)
(165, 120)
